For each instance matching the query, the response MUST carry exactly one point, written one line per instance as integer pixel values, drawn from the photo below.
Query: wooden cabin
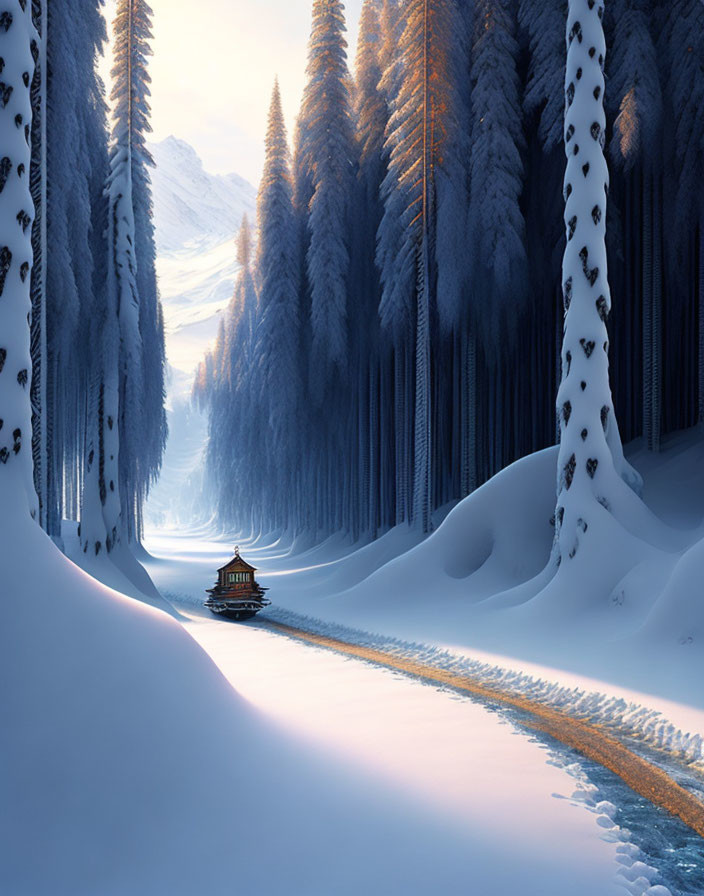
(236, 594)
(237, 575)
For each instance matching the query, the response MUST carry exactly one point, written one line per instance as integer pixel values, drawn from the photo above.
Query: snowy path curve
(590, 740)
(444, 748)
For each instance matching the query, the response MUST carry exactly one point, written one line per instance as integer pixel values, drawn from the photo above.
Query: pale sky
(213, 69)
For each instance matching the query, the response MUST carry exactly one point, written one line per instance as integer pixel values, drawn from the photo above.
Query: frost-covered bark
(591, 457)
(19, 49)
(123, 268)
(38, 187)
(121, 338)
(92, 529)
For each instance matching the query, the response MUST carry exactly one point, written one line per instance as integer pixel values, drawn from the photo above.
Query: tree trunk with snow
(19, 49)
(121, 328)
(92, 529)
(591, 462)
(38, 187)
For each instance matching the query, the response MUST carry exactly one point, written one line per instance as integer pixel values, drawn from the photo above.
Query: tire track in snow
(583, 736)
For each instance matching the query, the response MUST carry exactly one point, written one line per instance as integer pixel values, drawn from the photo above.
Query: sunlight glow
(212, 73)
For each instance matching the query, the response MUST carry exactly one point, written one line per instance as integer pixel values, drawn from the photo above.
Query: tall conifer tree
(277, 265)
(421, 132)
(328, 149)
(142, 426)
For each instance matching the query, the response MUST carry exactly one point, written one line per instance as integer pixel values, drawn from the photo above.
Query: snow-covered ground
(451, 759)
(133, 766)
(458, 588)
(635, 620)
(471, 766)
(470, 596)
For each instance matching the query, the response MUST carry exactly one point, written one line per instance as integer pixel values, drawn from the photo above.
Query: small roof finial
(237, 550)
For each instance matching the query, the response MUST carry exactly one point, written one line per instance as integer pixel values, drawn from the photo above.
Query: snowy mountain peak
(194, 209)
(177, 150)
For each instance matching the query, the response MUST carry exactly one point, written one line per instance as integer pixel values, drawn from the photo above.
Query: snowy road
(562, 821)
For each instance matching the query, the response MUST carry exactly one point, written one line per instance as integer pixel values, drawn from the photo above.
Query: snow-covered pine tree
(97, 328)
(120, 395)
(636, 108)
(277, 268)
(371, 117)
(245, 382)
(263, 334)
(67, 265)
(496, 227)
(245, 303)
(153, 429)
(456, 364)
(421, 132)
(71, 144)
(634, 84)
(142, 423)
(391, 25)
(591, 463)
(19, 49)
(370, 108)
(543, 24)
(121, 340)
(302, 180)
(329, 152)
(229, 384)
(681, 47)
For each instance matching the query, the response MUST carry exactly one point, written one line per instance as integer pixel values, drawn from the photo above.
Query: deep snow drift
(130, 766)
(637, 617)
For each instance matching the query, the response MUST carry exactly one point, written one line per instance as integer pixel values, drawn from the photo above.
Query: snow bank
(622, 715)
(119, 570)
(130, 766)
(478, 582)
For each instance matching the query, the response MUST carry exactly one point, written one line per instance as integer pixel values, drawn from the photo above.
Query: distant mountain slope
(196, 216)
(193, 208)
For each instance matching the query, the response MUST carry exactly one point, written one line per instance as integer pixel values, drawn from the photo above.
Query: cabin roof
(237, 563)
